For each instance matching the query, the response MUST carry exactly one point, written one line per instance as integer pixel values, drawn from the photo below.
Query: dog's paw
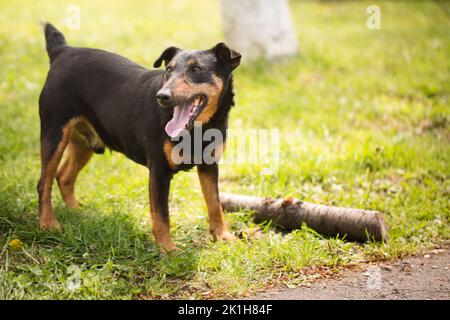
(223, 235)
(50, 225)
(168, 247)
(74, 204)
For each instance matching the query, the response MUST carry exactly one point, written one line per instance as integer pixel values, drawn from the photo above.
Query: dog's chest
(183, 155)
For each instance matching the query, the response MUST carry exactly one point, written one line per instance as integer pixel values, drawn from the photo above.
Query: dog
(93, 99)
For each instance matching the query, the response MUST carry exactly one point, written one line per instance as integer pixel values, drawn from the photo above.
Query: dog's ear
(227, 56)
(166, 56)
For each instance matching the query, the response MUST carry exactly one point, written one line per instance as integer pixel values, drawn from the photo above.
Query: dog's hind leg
(54, 140)
(84, 141)
(78, 155)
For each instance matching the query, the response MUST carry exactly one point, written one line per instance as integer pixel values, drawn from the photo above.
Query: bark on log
(355, 224)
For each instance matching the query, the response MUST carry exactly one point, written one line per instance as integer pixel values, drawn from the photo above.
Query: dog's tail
(54, 40)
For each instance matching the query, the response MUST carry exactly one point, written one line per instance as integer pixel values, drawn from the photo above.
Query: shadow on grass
(93, 241)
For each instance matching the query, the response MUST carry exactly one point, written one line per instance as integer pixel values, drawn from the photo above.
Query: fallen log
(354, 224)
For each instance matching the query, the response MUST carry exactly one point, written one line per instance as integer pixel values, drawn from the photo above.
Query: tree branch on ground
(355, 224)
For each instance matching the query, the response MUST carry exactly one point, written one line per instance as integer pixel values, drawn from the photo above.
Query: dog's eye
(196, 69)
(169, 70)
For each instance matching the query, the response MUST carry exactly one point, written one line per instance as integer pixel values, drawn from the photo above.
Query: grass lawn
(363, 118)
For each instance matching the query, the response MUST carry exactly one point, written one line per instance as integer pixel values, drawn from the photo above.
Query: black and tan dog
(94, 99)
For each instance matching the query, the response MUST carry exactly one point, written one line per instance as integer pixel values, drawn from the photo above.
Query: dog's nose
(163, 96)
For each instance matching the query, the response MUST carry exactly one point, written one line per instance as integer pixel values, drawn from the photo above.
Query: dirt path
(421, 277)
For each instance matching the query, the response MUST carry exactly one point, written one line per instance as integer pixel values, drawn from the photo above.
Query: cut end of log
(383, 229)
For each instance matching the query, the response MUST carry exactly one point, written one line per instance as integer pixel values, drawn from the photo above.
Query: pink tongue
(179, 121)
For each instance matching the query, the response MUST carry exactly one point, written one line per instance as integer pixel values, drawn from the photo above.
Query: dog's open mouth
(184, 116)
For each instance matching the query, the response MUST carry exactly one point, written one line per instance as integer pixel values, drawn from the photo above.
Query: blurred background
(360, 96)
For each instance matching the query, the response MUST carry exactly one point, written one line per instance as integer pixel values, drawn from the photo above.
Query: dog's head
(193, 82)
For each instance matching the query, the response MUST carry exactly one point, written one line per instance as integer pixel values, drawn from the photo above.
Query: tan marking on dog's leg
(217, 226)
(160, 224)
(47, 219)
(161, 230)
(78, 155)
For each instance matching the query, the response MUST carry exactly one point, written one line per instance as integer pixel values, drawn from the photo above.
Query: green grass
(363, 118)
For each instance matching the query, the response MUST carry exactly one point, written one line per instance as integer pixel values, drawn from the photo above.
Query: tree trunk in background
(355, 224)
(259, 28)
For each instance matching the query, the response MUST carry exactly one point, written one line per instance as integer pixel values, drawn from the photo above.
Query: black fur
(54, 41)
(118, 97)
(166, 56)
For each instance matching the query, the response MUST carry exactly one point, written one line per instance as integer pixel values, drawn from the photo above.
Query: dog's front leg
(159, 207)
(209, 181)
